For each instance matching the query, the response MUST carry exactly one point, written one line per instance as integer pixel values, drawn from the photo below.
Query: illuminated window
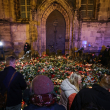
(25, 8)
(88, 8)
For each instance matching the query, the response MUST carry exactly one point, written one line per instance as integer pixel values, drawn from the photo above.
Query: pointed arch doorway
(55, 34)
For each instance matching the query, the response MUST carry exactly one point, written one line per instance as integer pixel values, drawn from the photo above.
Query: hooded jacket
(68, 92)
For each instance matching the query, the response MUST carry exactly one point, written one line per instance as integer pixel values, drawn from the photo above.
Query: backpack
(3, 95)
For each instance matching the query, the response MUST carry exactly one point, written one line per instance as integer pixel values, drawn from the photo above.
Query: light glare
(1, 43)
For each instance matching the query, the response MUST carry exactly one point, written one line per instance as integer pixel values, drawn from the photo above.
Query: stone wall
(96, 34)
(104, 11)
(14, 37)
(5, 37)
(7, 11)
(96, 31)
(20, 35)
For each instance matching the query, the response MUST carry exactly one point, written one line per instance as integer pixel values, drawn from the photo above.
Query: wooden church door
(55, 34)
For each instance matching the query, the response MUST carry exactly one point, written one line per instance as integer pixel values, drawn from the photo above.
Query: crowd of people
(103, 57)
(41, 96)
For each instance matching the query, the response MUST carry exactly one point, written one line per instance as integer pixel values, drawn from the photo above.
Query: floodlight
(1, 43)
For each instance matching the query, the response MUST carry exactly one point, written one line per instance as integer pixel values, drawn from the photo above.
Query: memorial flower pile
(58, 68)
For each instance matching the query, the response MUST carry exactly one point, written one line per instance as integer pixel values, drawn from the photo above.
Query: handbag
(3, 98)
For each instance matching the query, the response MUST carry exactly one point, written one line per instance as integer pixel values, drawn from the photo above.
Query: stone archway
(42, 16)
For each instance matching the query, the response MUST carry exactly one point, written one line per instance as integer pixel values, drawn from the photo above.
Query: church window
(22, 10)
(25, 8)
(88, 9)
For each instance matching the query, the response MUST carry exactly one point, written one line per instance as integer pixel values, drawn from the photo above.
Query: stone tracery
(44, 14)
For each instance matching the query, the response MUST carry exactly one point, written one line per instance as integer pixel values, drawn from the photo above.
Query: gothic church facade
(54, 25)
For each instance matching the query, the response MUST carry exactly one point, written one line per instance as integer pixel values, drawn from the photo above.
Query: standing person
(98, 94)
(69, 89)
(17, 84)
(43, 97)
(26, 47)
(106, 55)
(100, 59)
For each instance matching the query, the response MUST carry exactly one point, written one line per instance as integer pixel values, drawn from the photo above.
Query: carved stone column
(75, 30)
(33, 27)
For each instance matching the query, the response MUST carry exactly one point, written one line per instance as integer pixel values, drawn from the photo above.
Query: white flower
(24, 67)
(100, 72)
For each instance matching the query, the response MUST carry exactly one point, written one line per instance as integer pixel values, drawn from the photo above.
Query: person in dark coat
(98, 94)
(106, 55)
(14, 91)
(26, 47)
(92, 106)
(43, 97)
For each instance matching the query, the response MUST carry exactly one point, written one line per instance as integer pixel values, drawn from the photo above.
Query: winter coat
(53, 107)
(14, 91)
(26, 48)
(97, 95)
(68, 92)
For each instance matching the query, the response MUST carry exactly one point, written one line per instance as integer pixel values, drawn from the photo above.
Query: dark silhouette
(98, 94)
(14, 91)
(92, 106)
(106, 55)
(26, 47)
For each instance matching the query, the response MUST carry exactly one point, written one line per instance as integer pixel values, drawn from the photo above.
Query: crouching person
(43, 97)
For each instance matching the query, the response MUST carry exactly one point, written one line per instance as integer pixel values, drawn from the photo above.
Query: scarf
(43, 99)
